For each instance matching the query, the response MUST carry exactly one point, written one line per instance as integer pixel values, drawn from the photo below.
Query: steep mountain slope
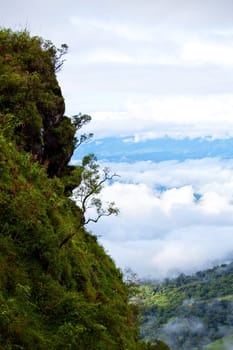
(52, 295)
(70, 297)
(189, 312)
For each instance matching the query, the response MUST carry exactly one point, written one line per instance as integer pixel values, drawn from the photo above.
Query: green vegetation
(55, 293)
(224, 343)
(31, 99)
(188, 312)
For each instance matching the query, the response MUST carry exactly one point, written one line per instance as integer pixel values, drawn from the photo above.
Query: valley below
(189, 312)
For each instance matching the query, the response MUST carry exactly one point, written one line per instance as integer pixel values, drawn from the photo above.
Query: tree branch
(86, 195)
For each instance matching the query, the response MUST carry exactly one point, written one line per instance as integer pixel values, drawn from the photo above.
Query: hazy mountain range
(126, 149)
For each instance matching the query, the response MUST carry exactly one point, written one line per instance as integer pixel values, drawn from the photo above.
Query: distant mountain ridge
(189, 312)
(125, 149)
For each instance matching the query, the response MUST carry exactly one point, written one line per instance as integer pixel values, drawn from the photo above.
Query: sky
(147, 70)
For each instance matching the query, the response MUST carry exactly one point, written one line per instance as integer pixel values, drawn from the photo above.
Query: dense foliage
(52, 295)
(31, 97)
(189, 312)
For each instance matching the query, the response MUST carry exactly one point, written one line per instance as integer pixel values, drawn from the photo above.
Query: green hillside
(58, 287)
(225, 343)
(188, 312)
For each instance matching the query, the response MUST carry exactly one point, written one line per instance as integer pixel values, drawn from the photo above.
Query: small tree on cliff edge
(86, 195)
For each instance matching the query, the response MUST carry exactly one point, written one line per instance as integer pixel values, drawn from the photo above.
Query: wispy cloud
(177, 117)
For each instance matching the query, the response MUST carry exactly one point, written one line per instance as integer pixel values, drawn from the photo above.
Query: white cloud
(160, 233)
(177, 117)
(113, 27)
(193, 249)
(215, 203)
(206, 52)
(187, 251)
(177, 197)
(108, 56)
(204, 175)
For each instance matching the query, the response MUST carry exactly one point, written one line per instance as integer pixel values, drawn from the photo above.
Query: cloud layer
(175, 217)
(176, 117)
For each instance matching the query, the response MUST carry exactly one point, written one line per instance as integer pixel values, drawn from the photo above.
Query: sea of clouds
(174, 216)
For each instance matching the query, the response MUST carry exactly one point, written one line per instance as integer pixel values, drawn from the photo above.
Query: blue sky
(157, 79)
